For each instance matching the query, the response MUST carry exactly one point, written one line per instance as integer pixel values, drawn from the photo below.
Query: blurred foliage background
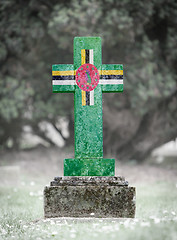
(139, 34)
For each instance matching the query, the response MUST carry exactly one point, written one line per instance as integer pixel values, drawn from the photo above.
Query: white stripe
(91, 56)
(111, 81)
(92, 97)
(63, 82)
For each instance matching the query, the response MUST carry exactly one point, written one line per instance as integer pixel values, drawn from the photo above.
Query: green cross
(88, 123)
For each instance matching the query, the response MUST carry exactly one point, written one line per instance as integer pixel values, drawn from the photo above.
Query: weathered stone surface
(84, 181)
(89, 197)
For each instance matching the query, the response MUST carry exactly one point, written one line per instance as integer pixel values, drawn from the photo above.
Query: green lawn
(21, 201)
(21, 216)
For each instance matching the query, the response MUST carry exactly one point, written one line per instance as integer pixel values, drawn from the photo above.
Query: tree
(139, 34)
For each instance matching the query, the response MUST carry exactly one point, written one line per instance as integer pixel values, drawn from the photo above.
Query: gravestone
(88, 187)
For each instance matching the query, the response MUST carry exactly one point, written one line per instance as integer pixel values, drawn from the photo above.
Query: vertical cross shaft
(88, 119)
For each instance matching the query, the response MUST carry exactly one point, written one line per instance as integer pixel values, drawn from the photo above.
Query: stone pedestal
(89, 197)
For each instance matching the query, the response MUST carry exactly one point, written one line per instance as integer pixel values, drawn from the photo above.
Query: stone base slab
(106, 197)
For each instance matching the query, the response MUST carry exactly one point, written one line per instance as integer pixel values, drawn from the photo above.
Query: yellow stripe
(73, 72)
(83, 98)
(82, 56)
(110, 72)
(63, 73)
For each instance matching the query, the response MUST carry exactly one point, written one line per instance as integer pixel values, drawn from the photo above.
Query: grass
(21, 205)
(21, 216)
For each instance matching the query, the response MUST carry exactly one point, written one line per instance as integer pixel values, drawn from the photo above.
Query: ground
(23, 176)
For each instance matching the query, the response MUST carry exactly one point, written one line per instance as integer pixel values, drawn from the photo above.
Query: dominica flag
(87, 77)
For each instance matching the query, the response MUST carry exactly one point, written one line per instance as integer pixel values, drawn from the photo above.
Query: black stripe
(111, 76)
(87, 98)
(70, 77)
(86, 56)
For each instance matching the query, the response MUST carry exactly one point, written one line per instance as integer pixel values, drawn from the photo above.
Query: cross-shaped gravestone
(88, 78)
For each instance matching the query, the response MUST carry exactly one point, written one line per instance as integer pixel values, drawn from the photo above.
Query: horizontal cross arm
(111, 77)
(63, 78)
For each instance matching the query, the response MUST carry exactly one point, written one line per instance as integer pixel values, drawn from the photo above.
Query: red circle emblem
(87, 77)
